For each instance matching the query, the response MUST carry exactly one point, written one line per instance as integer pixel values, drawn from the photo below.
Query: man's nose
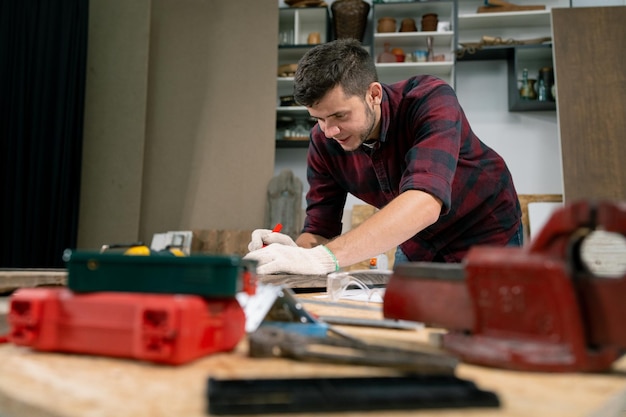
(331, 131)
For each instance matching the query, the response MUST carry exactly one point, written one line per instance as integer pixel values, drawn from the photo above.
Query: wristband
(333, 256)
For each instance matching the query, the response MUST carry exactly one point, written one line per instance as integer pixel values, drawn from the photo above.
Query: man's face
(348, 120)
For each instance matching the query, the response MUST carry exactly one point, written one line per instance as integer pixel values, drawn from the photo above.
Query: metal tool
(538, 308)
(288, 330)
(337, 347)
(379, 323)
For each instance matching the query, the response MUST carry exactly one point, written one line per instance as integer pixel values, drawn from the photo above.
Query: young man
(405, 148)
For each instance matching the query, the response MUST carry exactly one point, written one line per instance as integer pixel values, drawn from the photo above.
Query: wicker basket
(350, 18)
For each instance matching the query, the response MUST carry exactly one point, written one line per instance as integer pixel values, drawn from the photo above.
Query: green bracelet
(333, 256)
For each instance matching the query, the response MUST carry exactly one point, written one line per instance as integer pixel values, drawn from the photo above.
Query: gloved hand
(262, 237)
(277, 258)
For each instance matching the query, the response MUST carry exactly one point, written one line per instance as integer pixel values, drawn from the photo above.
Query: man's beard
(371, 121)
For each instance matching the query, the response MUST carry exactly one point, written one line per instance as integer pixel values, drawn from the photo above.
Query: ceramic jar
(314, 38)
(386, 25)
(408, 25)
(429, 22)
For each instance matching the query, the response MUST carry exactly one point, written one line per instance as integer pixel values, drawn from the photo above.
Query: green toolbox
(199, 274)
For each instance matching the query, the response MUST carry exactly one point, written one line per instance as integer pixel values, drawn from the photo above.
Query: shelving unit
(532, 57)
(519, 26)
(466, 26)
(532, 18)
(298, 22)
(444, 42)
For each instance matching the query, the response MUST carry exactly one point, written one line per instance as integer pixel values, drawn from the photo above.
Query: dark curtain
(43, 49)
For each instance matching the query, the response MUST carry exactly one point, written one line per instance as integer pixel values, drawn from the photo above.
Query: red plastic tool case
(170, 329)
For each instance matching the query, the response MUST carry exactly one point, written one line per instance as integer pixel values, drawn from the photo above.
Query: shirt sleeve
(432, 124)
(325, 198)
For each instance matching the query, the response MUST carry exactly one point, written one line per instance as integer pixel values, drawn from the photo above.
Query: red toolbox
(170, 329)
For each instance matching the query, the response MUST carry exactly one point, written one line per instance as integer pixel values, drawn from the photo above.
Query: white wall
(528, 141)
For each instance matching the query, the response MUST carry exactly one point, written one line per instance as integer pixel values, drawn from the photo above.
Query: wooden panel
(228, 242)
(525, 199)
(589, 45)
(12, 279)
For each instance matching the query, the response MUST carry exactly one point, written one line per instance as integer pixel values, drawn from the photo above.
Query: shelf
(300, 21)
(504, 19)
(401, 69)
(520, 105)
(487, 53)
(534, 52)
(292, 143)
(405, 39)
(531, 57)
(399, 10)
(443, 42)
(291, 109)
(291, 54)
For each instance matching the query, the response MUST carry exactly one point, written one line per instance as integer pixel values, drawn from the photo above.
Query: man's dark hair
(342, 62)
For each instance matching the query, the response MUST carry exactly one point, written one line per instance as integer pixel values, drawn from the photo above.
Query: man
(405, 148)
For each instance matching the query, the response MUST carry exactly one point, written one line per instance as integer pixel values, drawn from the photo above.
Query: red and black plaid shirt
(426, 143)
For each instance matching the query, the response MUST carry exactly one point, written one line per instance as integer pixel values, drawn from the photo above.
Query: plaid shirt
(426, 144)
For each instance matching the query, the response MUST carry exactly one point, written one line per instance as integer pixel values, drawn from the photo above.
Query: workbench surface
(63, 385)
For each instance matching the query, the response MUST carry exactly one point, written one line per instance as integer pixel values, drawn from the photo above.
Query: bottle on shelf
(386, 56)
(527, 90)
(542, 91)
(547, 75)
(429, 45)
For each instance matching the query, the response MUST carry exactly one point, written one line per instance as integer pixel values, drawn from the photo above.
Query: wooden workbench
(52, 384)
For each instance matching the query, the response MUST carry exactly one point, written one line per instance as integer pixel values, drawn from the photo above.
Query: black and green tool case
(199, 274)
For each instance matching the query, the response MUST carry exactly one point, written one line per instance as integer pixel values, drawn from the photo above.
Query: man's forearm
(309, 240)
(401, 219)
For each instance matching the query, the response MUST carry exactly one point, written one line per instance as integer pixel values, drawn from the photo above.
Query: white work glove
(276, 259)
(263, 237)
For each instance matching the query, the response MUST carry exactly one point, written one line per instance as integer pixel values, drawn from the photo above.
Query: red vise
(536, 308)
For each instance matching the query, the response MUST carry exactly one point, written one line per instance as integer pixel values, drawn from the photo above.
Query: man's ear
(375, 93)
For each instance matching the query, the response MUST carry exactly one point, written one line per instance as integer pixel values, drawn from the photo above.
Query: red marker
(276, 229)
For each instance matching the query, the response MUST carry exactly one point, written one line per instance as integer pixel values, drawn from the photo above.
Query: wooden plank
(12, 279)
(228, 242)
(525, 199)
(589, 45)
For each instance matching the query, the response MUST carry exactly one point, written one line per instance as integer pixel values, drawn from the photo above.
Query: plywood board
(590, 62)
(12, 279)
